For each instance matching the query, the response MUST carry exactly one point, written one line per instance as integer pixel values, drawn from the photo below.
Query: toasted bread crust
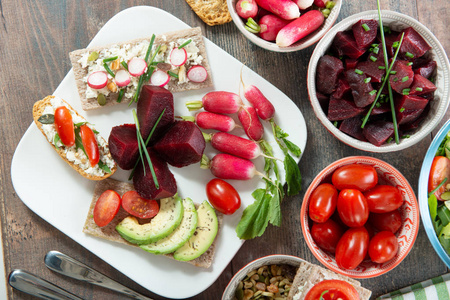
(212, 12)
(38, 109)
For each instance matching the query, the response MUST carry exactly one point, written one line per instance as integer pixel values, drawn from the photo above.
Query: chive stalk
(110, 72)
(110, 59)
(185, 44)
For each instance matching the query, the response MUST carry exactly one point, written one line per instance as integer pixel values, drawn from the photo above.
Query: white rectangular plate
(50, 188)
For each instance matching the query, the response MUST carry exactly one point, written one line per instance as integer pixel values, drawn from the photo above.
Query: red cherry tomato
(64, 126)
(352, 248)
(223, 196)
(391, 221)
(440, 169)
(327, 234)
(352, 208)
(383, 198)
(139, 207)
(106, 207)
(383, 247)
(90, 144)
(355, 176)
(322, 202)
(332, 290)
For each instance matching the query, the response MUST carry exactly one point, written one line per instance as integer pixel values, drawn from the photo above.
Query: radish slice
(137, 66)
(122, 78)
(197, 74)
(159, 78)
(178, 57)
(97, 80)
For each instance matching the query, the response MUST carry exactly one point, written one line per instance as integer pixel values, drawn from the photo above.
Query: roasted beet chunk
(362, 92)
(421, 85)
(425, 69)
(323, 100)
(144, 183)
(378, 132)
(342, 89)
(371, 70)
(328, 70)
(410, 102)
(365, 32)
(408, 116)
(341, 109)
(390, 38)
(152, 101)
(123, 145)
(182, 145)
(403, 76)
(344, 44)
(352, 127)
(413, 43)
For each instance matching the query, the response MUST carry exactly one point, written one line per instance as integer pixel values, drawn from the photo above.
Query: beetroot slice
(362, 36)
(421, 85)
(378, 132)
(323, 101)
(361, 91)
(408, 116)
(403, 77)
(351, 63)
(123, 145)
(327, 72)
(390, 39)
(182, 145)
(413, 43)
(341, 109)
(411, 102)
(416, 123)
(371, 70)
(352, 127)
(345, 44)
(145, 185)
(342, 89)
(152, 101)
(426, 69)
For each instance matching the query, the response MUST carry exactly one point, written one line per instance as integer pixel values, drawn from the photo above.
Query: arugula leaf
(255, 218)
(293, 176)
(78, 141)
(104, 167)
(56, 141)
(433, 204)
(79, 124)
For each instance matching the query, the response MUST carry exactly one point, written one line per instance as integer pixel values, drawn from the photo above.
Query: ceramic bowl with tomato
(438, 169)
(414, 133)
(408, 217)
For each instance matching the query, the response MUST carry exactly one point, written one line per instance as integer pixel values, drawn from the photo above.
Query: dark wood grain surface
(35, 39)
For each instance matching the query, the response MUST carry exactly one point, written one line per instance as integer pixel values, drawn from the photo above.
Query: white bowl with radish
(298, 24)
(440, 77)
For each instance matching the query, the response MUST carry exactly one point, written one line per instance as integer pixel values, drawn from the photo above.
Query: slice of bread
(38, 110)
(109, 232)
(162, 39)
(212, 12)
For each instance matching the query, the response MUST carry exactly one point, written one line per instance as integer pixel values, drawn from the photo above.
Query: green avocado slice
(180, 235)
(203, 237)
(164, 223)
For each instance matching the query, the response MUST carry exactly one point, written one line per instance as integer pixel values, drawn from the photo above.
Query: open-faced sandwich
(73, 138)
(114, 73)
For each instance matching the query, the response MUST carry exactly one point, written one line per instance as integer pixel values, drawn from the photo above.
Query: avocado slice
(203, 237)
(180, 235)
(164, 223)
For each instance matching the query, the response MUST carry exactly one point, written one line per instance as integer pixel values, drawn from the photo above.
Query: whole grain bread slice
(38, 109)
(109, 232)
(161, 39)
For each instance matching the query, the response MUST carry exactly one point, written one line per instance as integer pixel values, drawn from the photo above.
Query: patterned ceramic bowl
(439, 105)
(406, 235)
(302, 44)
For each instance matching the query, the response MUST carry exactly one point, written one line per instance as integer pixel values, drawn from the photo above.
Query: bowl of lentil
(269, 277)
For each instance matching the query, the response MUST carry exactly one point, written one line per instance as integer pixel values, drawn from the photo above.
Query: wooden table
(35, 39)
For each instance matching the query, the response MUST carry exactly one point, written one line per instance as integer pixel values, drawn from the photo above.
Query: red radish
(298, 29)
(220, 102)
(321, 3)
(197, 74)
(97, 80)
(122, 78)
(270, 26)
(285, 9)
(208, 120)
(178, 56)
(159, 78)
(226, 166)
(251, 123)
(262, 105)
(304, 4)
(137, 66)
(247, 9)
(234, 145)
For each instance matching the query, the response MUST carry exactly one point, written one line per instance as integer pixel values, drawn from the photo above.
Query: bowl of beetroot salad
(355, 100)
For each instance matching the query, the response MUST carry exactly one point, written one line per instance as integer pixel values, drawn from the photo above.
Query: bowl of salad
(434, 187)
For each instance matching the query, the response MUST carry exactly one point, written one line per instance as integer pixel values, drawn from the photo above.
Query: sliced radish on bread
(137, 66)
(197, 74)
(178, 57)
(122, 78)
(97, 80)
(159, 78)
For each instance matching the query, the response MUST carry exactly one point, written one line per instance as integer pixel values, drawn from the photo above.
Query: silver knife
(68, 266)
(38, 287)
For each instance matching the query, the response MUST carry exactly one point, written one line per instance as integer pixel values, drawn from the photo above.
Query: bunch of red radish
(283, 21)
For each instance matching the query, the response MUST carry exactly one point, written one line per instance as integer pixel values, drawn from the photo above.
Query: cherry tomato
(90, 144)
(391, 221)
(327, 234)
(352, 248)
(355, 176)
(223, 196)
(383, 247)
(322, 202)
(440, 169)
(383, 198)
(64, 126)
(106, 207)
(332, 290)
(352, 208)
(139, 207)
